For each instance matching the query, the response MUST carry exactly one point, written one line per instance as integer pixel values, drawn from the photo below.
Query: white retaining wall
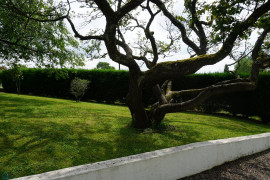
(166, 164)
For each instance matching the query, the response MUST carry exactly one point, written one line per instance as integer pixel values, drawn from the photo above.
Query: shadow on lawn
(31, 144)
(231, 123)
(18, 101)
(32, 147)
(228, 116)
(36, 147)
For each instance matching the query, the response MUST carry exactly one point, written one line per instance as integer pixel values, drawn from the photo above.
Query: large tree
(209, 30)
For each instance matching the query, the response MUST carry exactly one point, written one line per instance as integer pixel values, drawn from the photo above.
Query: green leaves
(104, 65)
(28, 32)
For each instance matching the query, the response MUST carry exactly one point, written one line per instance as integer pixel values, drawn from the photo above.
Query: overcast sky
(83, 27)
(156, 27)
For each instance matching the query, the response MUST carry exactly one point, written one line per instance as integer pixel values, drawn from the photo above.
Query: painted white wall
(166, 164)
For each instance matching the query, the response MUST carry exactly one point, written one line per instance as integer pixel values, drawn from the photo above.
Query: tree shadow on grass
(38, 147)
(32, 147)
(228, 116)
(230, 123)
(18, 101)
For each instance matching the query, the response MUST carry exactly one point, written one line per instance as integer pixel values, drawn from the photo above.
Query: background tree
(78, 87)
(104, 65)
(244, 65)
(209, 30)
(17, 76)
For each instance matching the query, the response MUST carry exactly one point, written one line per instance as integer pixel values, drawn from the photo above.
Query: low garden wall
(166, 164)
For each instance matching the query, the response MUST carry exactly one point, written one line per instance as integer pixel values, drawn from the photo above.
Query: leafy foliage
(27, 34)
(104, 65)
(244, 66)
(78, 87)
(17, 76)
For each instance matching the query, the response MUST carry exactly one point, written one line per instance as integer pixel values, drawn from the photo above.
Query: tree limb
(77, 35)
(257, 61)
(259, 42)
(131, 5)
(204, 95)
(106, 9)
(190, 92)
(180, 68)
(158, 92)
(200, 32)
(179, 25)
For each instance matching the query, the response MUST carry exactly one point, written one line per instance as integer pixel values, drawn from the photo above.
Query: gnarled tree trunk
(139, 116)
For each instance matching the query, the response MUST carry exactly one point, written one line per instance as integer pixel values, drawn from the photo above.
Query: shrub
(78, 87)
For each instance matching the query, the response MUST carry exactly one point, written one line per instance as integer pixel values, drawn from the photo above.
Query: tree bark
(139, 116)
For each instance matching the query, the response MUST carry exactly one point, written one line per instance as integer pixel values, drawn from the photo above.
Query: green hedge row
(255, 103)
(1, 78)
(106, 85)
(112, 86)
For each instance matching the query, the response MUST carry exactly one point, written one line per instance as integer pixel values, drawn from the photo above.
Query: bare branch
(179, 25)
(131, 5)
(164, 86)
(158, 92)
(81, 36)
(258, 44)
(200, 31)
(169, 87)
(144, 59)
(191, 92)
(204, 95)
(150, 35)
(180, 68)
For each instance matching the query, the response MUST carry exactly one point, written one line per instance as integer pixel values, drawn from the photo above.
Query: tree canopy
(34, 31)
(210, 30)
(244, 65)
(104, 65)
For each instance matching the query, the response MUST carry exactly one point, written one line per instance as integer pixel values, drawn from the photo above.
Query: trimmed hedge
(1, 72)
(255, 103)
(112, 85)
(106, 85)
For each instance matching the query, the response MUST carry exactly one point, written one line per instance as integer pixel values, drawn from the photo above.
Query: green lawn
(43, 134)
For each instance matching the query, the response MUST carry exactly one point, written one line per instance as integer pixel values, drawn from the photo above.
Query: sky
(82, 16)
(157, 27)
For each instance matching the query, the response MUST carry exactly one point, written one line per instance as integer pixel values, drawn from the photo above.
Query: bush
(1, 78)
(78, 87)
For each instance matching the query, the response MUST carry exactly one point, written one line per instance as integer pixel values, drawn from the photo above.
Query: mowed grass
(40, 134)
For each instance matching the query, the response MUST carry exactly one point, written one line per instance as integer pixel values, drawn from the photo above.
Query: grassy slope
(42, 134)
